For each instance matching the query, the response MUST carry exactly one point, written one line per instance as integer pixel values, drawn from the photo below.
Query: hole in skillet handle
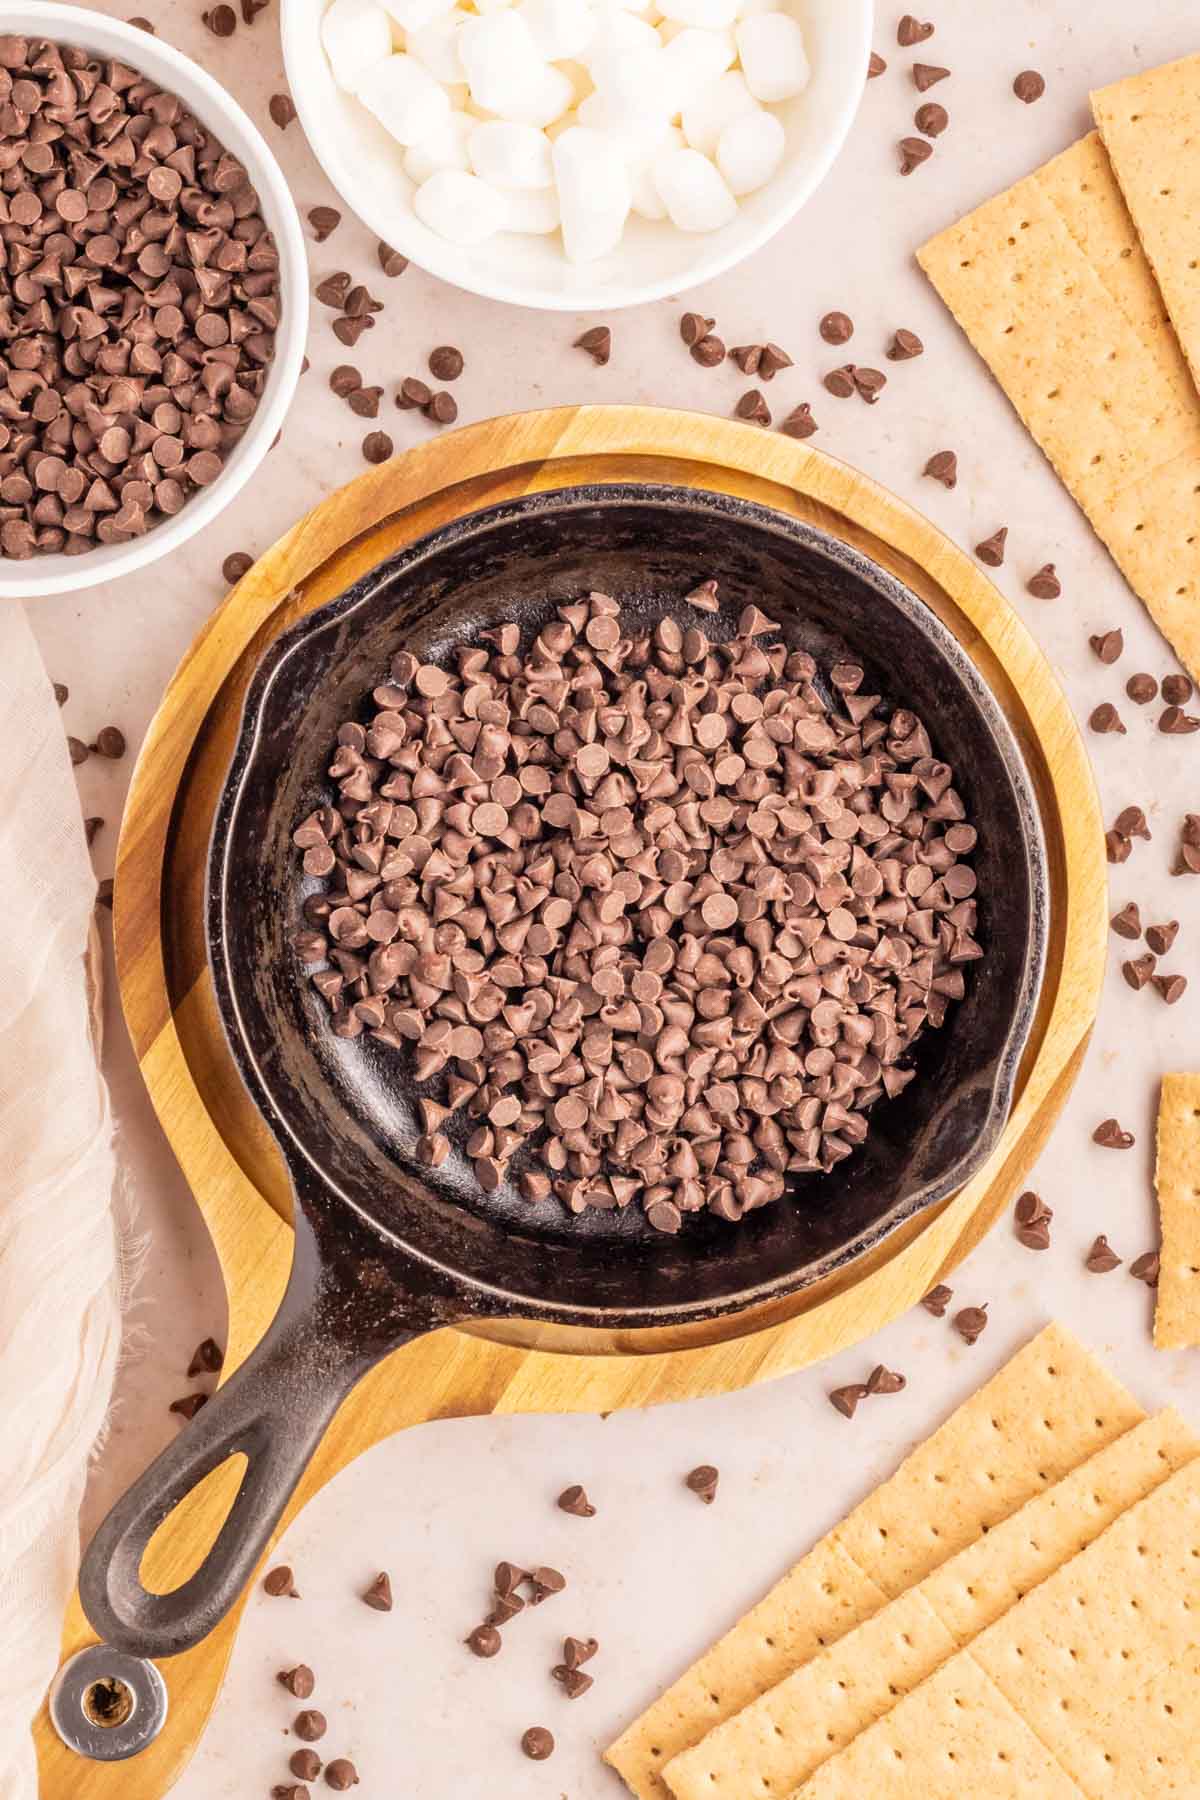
(343, 1310)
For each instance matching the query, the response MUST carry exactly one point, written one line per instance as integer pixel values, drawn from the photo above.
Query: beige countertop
(655, 1576)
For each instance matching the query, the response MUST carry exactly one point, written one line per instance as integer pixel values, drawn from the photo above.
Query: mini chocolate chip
(577, 1651)
(1128, 922)
(991, 549)
(484, 1641)
(1131, 822)
(442, 408)
(875, 66)
(1171, 987)
(971, 1323)
(747, 357)
(377, 446)
(78, 750)
(364, 402)
(836, 328)
(1141, 689)
(573, 1681)
(912, 31)
(904, 346)
(1145, 1268)
(288, 1791)
(1174, 722)
(379, 1595)
(913, 152)
(708, 351)
(1109, 1135)
(943, 467)
(544, 1582)
(1138, 970)
(772, 359)
(413, 392)
(931, 119)
(574, 1500)
(1116, 848)
(305, 1764)
(324, 221)
(537, 1743)
(1105, 718)
(597, 342)
(208, 1358)
(446, 363)
(280, 1583)
(62, 693)
(1108, 645)
(341, 1775)
(140, 24)
(753, 408)
(1101, 1258)
(282, 110)
(310, 1725)
(189, 1405)
(845, 1399)
(840, 381)
(937, 1300)
(90, 829)
(345, 380)
(110, 743)
(235, 566)
(883, 1380)
(104, 897)
(1029, 86)
(1032, 1221)
(348, 331)
(927, 75)
(221, 21)
(299, 1681)
(694, 326)
(392, 263)
(1044, 584)
(702, 1481)
(869, 384)
(1161, 937)
(799, 422)
(1176, 689)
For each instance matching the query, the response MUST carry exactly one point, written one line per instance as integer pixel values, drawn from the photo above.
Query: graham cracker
(1098, 1664)
(1150, 124)
(784, 1736)
(1051, 285)
(1177, 1177)
(1048, 1409)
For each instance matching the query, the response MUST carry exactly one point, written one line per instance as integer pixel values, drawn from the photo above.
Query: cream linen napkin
(60, 1299)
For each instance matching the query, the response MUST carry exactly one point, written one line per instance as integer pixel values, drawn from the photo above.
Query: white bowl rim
(20, 579)
(858, 15)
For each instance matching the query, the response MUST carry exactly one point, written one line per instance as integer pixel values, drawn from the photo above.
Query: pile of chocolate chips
(652, 918)
(139, 298)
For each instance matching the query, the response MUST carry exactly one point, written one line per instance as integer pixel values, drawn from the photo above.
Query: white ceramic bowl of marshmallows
(576, 154)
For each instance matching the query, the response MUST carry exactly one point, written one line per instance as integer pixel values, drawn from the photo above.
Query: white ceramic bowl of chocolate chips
(153, 304)
(576, 154)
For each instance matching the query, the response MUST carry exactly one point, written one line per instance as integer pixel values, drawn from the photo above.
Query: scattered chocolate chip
(1109, 1135)
(1171, 987)
(1131, 822)
(379, 1595)
(104, 897)
(1145, 1268)
(110, 743)
(845, 1399)
(235, 566)
(90, 829)
(943, 467)
(747, 357)
(904, 346)
(348, 331)
(287, 1791)
(708, 351)
(573, 1500)
(991, 550)
(577, 1651)
(208, 1358)
(1029, 86)
(1177, 690)
(753, 408)
(305, 1765)
(280, 1583)
(694, 326)
(1188, 859)
(1116, 848)
(331, 291)
(310, 1725)
(1138, 970)
(324, 221)
(392, 263)
(442, 408)
(1044, 584)
(282, 110)
(597, 342)
(912, 31)
(341, 1775)
(78, 750)
(537, 1743)
(883, 1380)
(446, 362)
(938, 1299)
(875, 66)
(189, 1405)
(840, 382)
(1177, 723)
(971, 1323)
(772, 359)
(1101, 1258)
(836, 328)
(799, 422)
(703, 1482)
(413, 392)
(869, 384)
(1141, 689)
(573, 1681)
(62, 693)
(251, 10)
(140, 24)
(1107, 645)
(543, 1583)
(931, 119)
(1161, 937)
(505, 1607)
(1105, 718)
(299, 1681)
(1128, 922)
(927, 75)
(364, 402)
(484, 1641)
(507, 1577)
(221, 21)
(913, 152)
(377, 446)
(1032, 1217)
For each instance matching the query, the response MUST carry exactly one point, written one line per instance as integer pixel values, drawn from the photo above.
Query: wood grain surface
(222, 1145)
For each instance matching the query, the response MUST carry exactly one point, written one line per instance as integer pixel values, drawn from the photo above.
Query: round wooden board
(222, 1144)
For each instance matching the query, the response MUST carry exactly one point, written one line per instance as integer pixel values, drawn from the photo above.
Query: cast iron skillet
(385, 1248)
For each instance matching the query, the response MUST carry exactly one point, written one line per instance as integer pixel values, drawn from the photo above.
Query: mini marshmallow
(692, 61)
(356, 36)
(716, 106)
(405, 98)
(750, 150)
(511, 156)
(593, 192)
(632, 84)
(459, 207)
(625, 31)
(647, 202)
(411, 15)
(436, 46)
(532, 210)
(707, 15)
(562, 29)
(771, 48)
(693, 191)
(444, 148)
(507, 74)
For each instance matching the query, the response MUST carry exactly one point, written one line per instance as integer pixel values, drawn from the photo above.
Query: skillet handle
(274, 1410)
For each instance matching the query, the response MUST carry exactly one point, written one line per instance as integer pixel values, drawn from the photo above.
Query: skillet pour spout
(386, 1247)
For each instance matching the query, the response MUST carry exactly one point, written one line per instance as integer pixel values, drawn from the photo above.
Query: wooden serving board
(222, 1144)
